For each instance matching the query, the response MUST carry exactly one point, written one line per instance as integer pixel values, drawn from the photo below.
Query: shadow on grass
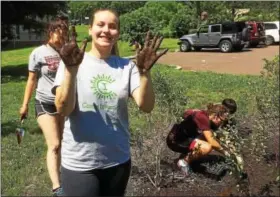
(14, 73)
(10, 45)
(9, 127)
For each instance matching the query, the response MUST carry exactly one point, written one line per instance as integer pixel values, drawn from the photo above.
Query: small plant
(231, 140)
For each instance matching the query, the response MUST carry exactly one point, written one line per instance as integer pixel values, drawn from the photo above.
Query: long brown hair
(115, 48)
(59, 22)
(217, 109)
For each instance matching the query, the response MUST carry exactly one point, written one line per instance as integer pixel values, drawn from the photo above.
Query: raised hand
(147, 56)
(70, 53)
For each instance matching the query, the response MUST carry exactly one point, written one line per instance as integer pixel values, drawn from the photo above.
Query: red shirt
(194, 123)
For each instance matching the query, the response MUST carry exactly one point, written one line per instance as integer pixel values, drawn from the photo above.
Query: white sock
(182, 163)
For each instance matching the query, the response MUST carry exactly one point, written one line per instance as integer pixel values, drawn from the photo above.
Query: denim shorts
(44, 108)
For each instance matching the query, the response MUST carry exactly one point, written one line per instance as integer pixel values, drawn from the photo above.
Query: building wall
(27, 35)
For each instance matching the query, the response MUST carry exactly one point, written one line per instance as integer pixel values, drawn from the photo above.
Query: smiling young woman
(92, 89)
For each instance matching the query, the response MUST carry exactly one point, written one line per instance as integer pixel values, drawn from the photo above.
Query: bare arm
(29, 88)
(211, 140)
(214, 143)
(144, 95)
(72, 57)
(145, 59)
(65, 98)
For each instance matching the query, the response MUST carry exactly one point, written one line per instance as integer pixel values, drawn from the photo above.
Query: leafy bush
(180, 25)
(264, 141)
(150, 130)
(134, 26)
(171, 101)
(267, 122)
(154, 16)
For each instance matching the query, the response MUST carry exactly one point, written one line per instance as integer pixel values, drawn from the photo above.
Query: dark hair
(59, 22)
(217, 109)
(230, 104)
(115, 50)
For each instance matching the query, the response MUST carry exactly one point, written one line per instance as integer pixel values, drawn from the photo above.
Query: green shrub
(267, 123)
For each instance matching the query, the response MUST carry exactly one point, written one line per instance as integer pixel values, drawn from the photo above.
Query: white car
(272, 32)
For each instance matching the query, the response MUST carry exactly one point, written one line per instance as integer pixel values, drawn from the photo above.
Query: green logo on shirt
(100, 87)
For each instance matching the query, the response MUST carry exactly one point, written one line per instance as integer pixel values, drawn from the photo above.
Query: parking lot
(249, 61)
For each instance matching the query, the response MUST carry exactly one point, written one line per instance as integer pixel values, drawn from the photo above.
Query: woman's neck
(100, 53)
(51, 43)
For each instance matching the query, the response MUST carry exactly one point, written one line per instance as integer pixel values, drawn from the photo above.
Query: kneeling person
(194, 135)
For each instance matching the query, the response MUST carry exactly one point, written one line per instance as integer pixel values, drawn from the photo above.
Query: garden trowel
(20, 132)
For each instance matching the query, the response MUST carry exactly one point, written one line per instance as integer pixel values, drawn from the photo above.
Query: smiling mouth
(106, 38)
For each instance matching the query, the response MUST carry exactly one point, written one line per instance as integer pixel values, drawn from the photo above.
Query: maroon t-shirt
(194, 123)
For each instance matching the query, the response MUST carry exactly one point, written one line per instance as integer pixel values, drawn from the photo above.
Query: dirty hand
(70, 53)
(147, 56)
(23, 112)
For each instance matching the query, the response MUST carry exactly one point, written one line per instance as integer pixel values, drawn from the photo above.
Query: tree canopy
(171, 19)
(27, 13)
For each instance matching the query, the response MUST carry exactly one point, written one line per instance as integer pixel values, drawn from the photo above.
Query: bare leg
(201, 148)
(51, 128)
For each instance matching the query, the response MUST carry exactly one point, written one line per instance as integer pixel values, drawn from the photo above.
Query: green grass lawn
(23, 167)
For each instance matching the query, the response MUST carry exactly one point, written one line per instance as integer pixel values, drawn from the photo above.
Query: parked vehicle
(272, 32)
(257, 33)
(226, 36)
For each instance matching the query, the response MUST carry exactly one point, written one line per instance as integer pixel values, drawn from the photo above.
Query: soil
(249, 61)
(260, 181)
(261, 175)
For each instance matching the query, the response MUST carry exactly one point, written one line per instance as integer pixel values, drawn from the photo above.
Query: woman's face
(60, 35)
(217, 120)
(104, 29)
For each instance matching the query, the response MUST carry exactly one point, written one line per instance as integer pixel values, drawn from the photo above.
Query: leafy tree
(182, 21)
(123, 7)
(154, 16)
(134, 26)
(27, 13)
(82, 9)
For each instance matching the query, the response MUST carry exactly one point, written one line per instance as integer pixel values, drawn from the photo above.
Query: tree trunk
(198, 8)
(198, 11)
(232, 10)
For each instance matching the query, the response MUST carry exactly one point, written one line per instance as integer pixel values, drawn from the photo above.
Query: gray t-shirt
(96, 133)
(44, 60)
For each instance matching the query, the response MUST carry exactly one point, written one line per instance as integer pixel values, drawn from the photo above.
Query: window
(240, 26)
(227, 28)
(203, 29)
(270, 26)
(215, 28)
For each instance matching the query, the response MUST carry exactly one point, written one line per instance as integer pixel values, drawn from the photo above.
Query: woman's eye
(113, 26)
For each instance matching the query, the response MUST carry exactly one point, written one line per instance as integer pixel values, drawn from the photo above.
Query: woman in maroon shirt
(194, 135)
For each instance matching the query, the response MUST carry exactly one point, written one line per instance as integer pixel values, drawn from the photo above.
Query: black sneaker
(58, 192)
